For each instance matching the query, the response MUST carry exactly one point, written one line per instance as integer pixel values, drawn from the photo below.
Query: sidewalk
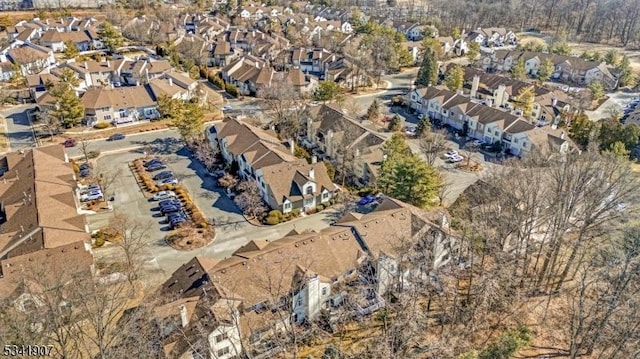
(387, 84)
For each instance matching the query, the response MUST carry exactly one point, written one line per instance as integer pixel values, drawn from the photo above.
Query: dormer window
(309, 190)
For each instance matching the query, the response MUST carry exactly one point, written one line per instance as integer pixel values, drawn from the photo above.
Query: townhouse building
(566, 68)
(118, 105)
(330, 134)
(31, 58)
(488, 124)
(285, 181)
(44, 235)
(267, 287)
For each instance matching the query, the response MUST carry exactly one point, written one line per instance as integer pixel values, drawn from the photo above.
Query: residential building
(248, 74)
(31, 58)
(38, 84)
(266, 287)
(549, 107)
(285, 181)
(119, 105)
(43, 236)
(485, 123)
(493, 36)
(566, 68)
(330, 134)
(56, 40)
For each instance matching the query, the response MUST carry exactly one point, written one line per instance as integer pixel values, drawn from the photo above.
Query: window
(325, 195)
(309, 190)
(223, 351)
(524, 144)
(515, 140)
(299, 301)
(497, 133)
(324, 291)
(221, 337)
(107, 117)
(287, 205)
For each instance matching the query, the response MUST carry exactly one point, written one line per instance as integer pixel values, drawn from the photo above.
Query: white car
(477, 143)
(91, 196)
(455, 159)
(451, 153)
(227, 108)
(163, 195)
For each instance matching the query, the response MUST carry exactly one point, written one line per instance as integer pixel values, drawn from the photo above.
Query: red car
(69, 142)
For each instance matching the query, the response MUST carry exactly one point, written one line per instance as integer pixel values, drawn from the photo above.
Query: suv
(170, 209)
(92, 196)
(156, 166)
(69, 142)
(168, 202)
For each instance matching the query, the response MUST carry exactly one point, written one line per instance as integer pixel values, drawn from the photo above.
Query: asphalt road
(131, 142)
(232, 231)
(19, 127)
(398, 84)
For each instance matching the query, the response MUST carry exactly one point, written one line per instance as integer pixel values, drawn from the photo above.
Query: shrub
(93, 154)
(311, 211)
(319, 207)
(76, 168)
(272, 220)
(202, 225)
(102, 125)
(295, 212)
(231, 89)
(275, 213)
(99, 242)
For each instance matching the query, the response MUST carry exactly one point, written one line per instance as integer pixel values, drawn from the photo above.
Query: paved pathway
(19, 127)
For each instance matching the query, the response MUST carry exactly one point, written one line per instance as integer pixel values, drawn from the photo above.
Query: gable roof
(286, 180)
(118, 98)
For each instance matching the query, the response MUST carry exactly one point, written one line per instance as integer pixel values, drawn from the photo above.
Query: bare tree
(285, 104)
(432, 144)
(204, 153)
(249, 199)
(134, 241)
(227, 181)
(107, 178)
(51, 123)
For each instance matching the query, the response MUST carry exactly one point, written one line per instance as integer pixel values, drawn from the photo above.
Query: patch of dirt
(470, 167)
(190, 238)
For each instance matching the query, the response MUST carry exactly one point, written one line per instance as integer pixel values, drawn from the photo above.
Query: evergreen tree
(68, 76)
(518, 71)
(525, 100)
(373, 113)
(454, 78)
(111, 37)
(612, 57)
(190, 121)
(326, 91)
(405, 176)
(597, 89)
(423, 126)
(17, 79)
(473, 50)
(428, 73)
(69, 108)
(396, 124)
(70, 50)
(546, 70)
(626, 74)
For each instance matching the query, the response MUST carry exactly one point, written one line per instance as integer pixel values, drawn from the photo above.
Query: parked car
(85, 166)
(451, 153)
(477, 143)
(168, 202)
(176, 223)
(85, 173)
(163, 195)
(153, 161)
(91, 196)
(176, 215)
(170, 209)
(155, 167)
(69, 142)
(227, 108)
(116, 136)
(455, 159)
(168, 181)
(367, 199)
(90, 189)
(163, 175)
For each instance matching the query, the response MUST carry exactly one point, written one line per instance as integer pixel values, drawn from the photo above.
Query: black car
(85, 173)
(175, 223)
(153, 161)
(170, 209)
(85, 166)
(163, 175)
(176, 215)
(169, 202)
(155, 167)
(116, 136)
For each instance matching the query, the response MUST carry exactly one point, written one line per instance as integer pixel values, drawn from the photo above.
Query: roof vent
(305, 243)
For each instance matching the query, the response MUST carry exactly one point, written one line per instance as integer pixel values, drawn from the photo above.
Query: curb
(388, 84)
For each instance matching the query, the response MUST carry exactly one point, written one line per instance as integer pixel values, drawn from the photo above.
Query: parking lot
(232, 230)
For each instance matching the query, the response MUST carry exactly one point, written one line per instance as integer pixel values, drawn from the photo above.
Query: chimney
(146, 71)
(312, 173)
(170, 81)
(314, 159)
(554, 101)
(474, 85)
(500, 98)
(108, 63)
(86, 65)
(183, 316)
(562, 135)
(292, 145)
